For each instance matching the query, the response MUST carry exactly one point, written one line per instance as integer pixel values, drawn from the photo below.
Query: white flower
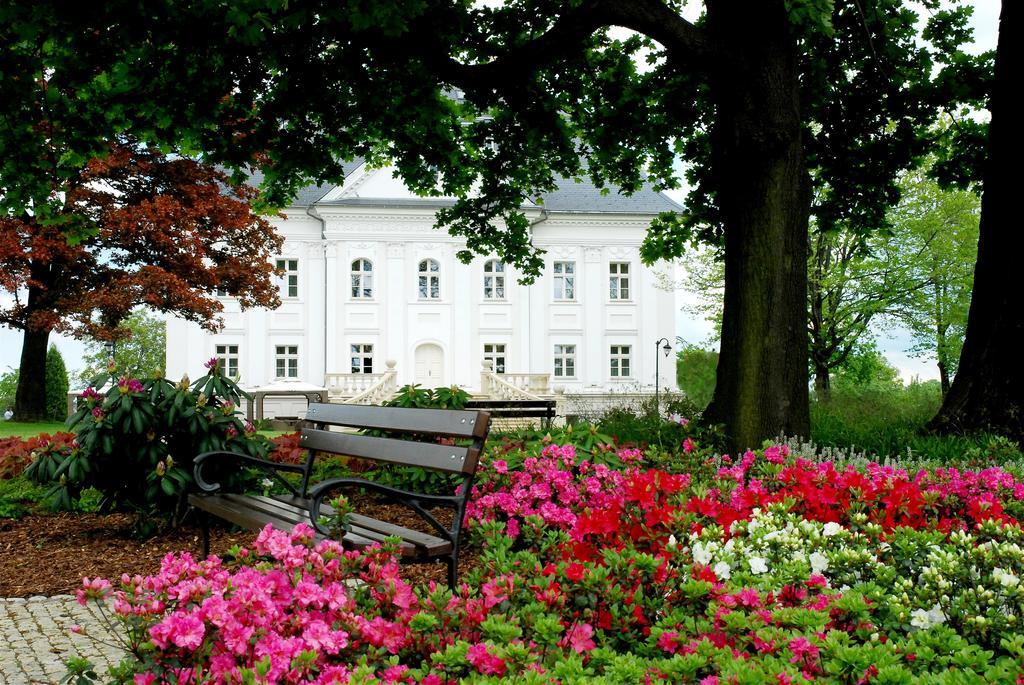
(753, 525)
(831, 528)
(925, 619)
(672, 542)
(819, 564)
(267, 483)
(758, 565)
(722, 570)
(700, 554)
(1005, 578)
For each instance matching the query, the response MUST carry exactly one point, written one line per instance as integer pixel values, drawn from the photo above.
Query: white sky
(893, 343)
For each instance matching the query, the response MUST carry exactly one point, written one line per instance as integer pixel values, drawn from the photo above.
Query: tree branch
(683, 42)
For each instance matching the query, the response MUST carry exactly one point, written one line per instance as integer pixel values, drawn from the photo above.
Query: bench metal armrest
(412, 500)
(203, 458)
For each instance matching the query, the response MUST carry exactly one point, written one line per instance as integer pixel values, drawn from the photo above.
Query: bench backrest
(421, 427)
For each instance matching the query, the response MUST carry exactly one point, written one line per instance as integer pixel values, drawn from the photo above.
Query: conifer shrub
(57, 385)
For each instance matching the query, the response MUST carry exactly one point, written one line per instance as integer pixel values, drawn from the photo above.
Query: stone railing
(381, 391)
(512, 386)
(340, 385)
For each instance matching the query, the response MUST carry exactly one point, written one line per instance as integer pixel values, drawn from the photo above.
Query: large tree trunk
(942, 356)
(763, 191)
(987, 393)
(822, 382)
(30, 397)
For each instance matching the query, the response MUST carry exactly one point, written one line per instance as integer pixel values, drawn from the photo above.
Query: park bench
(392, 435)
(517, 409)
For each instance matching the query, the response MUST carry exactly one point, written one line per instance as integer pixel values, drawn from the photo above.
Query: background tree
(8, 388)
(988, 391)
(152, 229)
(57, 385)
(935, 239)
(770, 99)
(852, 279)
(695, 372)
(139, 354)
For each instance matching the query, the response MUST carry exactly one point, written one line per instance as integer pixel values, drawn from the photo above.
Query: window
(430, 280)
(286, 361)
(362, 358)
(362, 278)
(222, 292)
(620, 361)
(289, 282)
(618, 280)
(565, 361)
(227, 358)
(565, 280)
(495, 353)
(494, 280)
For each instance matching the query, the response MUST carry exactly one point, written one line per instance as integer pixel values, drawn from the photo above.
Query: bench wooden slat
(447, 458)
(453, 422)
(415, 537)
(237, 510)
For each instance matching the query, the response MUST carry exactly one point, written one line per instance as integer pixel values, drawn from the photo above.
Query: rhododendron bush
(135, 443)
(775, 571)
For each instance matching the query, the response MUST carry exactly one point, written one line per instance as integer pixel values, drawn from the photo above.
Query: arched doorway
(429, 365)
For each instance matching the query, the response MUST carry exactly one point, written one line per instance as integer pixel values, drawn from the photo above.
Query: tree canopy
(773, 103)
(150, 229)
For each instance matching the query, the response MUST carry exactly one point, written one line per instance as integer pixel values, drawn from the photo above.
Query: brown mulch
(49, 554)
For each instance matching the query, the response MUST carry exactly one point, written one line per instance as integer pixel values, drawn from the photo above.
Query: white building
(369, 282)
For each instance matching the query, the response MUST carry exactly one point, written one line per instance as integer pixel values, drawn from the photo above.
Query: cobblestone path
(35, 639)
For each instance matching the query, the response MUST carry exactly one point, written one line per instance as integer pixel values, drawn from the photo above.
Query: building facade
(370, 286)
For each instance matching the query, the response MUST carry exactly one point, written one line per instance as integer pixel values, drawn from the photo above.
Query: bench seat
(284, 513)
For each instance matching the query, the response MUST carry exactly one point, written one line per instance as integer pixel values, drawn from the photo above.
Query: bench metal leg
(205, 524)
(453, 570)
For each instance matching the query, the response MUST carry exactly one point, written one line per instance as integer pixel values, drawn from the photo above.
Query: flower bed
(775, 571)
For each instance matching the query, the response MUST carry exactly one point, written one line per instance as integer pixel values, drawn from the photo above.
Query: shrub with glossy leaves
(136, 443)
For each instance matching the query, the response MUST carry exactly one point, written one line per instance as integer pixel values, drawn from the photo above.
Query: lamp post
(666, 348)
(112, 349)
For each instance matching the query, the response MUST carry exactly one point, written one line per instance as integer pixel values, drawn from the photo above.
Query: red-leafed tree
(156, 230)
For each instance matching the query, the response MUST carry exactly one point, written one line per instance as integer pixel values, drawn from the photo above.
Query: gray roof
(309, 194)
(570, 196)
(584, 196)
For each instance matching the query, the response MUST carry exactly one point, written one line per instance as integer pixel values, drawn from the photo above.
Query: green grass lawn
(27, 430)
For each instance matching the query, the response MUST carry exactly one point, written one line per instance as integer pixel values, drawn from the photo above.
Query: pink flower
(802, 650)
(578, 637)
(485, 662)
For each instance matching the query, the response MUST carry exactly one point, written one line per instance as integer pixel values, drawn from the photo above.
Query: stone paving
(36, 639)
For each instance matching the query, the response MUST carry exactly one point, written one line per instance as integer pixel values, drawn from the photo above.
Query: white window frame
(361, 357)
(563, 274)
(286, 361)
(620, 361)
(495, 353)
(428, 282)
(228, 358)
(222, 292)
(362, 279)
(289, 282)
(564, 361)
(619, 277)
(494, 279)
